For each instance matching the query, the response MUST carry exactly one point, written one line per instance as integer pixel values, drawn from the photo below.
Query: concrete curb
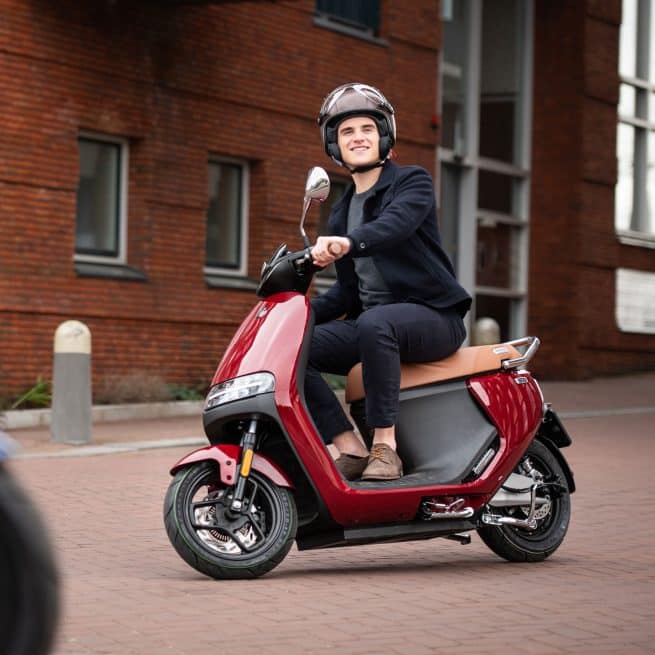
(596, 413)
(115, 448)
(31, 418)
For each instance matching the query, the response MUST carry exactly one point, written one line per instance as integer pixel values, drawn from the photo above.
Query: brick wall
(183, 82)
(574, 247)
(179, 82)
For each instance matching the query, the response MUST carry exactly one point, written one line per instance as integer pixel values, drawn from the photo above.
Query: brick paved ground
(127, 592)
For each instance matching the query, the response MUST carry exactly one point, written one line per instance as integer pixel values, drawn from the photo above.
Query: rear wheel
(222, 544)
(518, 544)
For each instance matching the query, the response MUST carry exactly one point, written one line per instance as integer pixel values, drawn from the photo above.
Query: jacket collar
(389, 171)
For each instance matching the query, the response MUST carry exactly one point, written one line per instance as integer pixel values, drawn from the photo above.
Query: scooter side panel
(514, 404)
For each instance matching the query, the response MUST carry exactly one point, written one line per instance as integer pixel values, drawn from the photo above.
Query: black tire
(29, 599)
(197, 497)
(522, 545)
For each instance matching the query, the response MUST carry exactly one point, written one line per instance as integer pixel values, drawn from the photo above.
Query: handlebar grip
(335, 249)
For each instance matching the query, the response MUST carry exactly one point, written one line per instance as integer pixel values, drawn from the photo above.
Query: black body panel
(441, 434)
(552, 429)
(393, 532)
(554, 436)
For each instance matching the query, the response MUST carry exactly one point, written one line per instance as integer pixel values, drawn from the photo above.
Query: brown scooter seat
(463, 363)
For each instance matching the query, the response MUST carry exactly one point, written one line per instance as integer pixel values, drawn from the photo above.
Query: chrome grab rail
(533, 346)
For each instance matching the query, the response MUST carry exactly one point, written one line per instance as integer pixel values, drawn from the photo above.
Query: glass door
(484, 156)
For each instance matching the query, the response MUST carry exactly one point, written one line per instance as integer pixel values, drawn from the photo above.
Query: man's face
(359, 141)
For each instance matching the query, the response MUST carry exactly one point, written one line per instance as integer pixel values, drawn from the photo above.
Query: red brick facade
(180, 82)
(183, 82)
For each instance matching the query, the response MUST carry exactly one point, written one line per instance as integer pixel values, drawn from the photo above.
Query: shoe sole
(379, 477)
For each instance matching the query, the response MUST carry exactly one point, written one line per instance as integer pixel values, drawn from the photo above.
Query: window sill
(110, 271)
(638, 239)
(330, 24)
(218, 281)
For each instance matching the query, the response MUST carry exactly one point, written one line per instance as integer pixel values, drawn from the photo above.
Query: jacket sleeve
(412, 201)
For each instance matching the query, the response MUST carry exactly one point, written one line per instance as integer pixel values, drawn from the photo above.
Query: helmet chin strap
(365, 169)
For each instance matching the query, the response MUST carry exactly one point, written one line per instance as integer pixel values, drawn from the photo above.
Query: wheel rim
(217, 530)
(548, 514)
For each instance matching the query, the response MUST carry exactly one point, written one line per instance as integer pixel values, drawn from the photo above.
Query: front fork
(248, 447)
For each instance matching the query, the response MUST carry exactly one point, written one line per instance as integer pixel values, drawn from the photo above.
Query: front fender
(227, 456)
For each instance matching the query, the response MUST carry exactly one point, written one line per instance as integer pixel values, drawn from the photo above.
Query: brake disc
(219, 541)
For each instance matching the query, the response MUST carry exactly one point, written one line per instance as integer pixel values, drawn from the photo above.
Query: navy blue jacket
(399, 230)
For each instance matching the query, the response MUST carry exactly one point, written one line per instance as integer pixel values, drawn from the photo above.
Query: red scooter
(480, 448)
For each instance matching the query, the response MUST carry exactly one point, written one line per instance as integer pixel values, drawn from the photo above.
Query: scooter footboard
(226, 457)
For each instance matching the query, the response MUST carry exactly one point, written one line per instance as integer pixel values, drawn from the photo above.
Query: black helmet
(354, 99)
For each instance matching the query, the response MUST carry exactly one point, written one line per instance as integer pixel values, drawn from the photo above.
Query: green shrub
(180, 392)
(38, 396)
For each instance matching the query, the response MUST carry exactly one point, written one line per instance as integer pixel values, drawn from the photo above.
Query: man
(395, 285)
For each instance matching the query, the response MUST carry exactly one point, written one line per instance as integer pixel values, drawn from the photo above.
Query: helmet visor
(369, 93)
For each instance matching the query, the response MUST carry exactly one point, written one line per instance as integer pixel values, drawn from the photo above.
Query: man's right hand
(327, 250)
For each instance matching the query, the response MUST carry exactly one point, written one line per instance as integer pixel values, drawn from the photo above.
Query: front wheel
(524, 545)
(222, 544)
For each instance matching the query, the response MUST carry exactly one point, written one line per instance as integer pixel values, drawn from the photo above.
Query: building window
(358, 15)
(337, 189)
(226, 236)
(101, 219)
(635, 301)
(635, 139)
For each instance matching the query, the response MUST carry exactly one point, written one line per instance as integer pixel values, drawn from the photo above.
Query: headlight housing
(238, 388)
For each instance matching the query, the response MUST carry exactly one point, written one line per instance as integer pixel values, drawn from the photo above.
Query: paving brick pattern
(126, 591)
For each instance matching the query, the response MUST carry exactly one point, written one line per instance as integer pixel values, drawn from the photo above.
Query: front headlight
(237, 388)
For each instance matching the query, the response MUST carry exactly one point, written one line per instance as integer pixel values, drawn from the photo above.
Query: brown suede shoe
(383, 464)
(351, 466)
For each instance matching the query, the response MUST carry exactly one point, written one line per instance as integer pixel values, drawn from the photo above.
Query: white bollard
(486, 331)
(71, 384)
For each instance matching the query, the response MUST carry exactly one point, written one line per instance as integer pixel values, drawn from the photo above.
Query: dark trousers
(380, 338)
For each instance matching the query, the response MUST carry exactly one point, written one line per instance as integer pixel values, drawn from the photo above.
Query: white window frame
(643, 124)
(242, 270)
(123, 173)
